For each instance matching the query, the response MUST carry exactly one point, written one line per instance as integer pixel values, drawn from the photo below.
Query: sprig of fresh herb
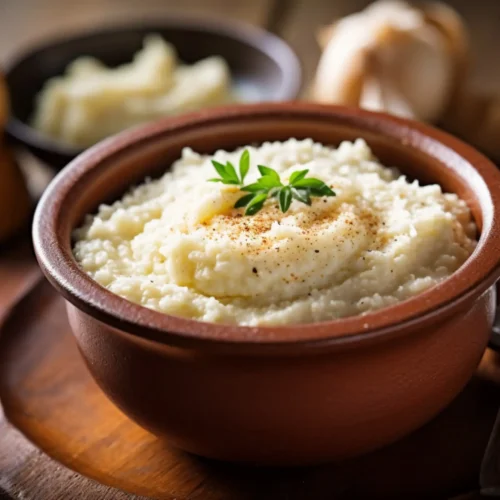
(228, 173)
(269, 185)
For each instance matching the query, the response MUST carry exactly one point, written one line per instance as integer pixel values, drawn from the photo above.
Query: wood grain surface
(49, 397)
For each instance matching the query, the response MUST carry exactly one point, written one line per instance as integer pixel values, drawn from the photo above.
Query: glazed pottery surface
(295, 394)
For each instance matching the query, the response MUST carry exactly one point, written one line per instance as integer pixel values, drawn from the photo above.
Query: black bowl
(263, 66)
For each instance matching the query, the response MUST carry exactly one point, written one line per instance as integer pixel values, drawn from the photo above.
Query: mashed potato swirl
(178, 246)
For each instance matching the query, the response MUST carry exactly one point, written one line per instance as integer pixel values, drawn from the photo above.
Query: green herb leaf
(221, 169)
(268, 182)
(256, 204)
(227, 173)
(252, 188)
(244, 164)
(232, 172)
(274, 192)
(297, 176)
(269, 172)
(269, 185)
(322, 191)
(285, 198)
(301, 195)
(244, 200)
(309, 183)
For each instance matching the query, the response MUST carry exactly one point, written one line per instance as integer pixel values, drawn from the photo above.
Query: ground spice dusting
(313, 263)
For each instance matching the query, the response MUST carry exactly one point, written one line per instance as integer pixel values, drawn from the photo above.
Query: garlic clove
(380, 94)
(451, 25)
(408, 50)
(372, 96)
(455, 33)
(416, 63)
(395, 101)
(343, 64)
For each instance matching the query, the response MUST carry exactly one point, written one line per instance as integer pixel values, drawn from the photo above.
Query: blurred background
(23, 22)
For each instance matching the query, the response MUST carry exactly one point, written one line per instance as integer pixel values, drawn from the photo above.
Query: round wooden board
(49, 397)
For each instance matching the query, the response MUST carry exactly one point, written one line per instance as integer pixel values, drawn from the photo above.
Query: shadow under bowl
(284, 395)
(263, 68)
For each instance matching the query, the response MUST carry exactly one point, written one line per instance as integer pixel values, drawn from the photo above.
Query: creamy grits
(92, 101)
(177, 245)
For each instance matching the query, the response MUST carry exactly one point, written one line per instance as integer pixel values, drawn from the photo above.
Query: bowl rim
(275, 47)
(473, 278)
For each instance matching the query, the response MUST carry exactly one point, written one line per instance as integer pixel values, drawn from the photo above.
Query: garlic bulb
(395, 58)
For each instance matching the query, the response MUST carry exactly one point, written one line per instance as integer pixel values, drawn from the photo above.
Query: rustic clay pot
(296, 394)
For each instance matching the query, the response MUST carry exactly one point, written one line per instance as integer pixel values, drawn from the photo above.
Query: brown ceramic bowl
(295, 394)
